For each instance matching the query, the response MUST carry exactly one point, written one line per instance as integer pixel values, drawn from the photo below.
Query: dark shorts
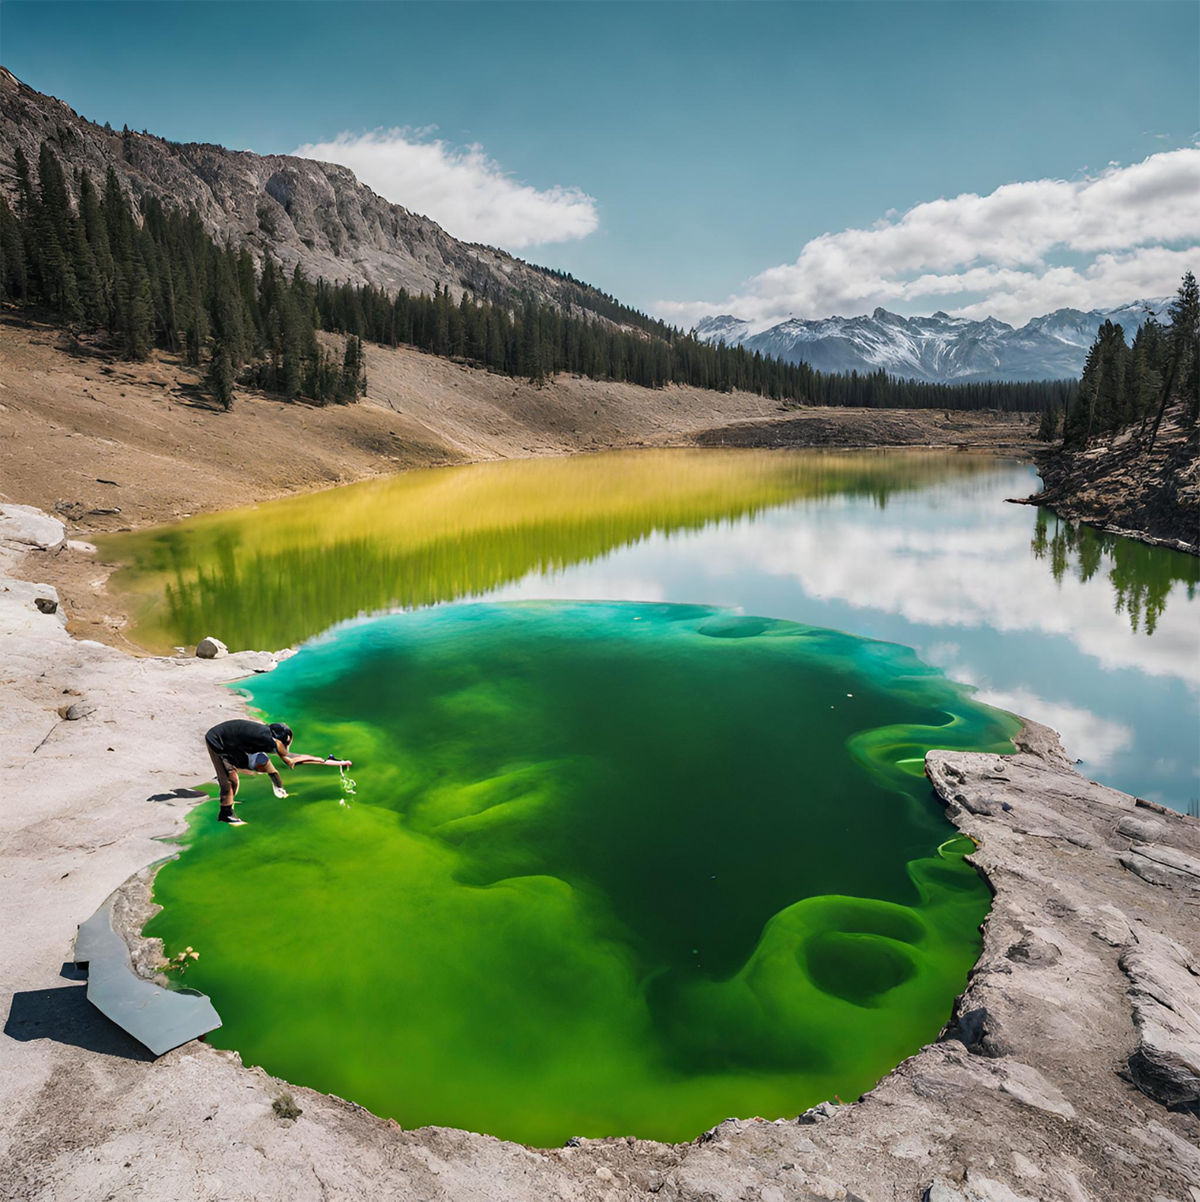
(256, 761)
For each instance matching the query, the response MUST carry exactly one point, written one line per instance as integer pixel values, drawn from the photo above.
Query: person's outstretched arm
(292, 760)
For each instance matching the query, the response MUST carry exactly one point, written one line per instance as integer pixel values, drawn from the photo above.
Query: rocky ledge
(1124, 488)
(1069, 1072)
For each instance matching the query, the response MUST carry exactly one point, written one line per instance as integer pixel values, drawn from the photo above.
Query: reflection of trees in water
(284, 571)
(1142, 576)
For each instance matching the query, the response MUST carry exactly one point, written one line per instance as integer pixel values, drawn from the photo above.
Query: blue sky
(678, 150)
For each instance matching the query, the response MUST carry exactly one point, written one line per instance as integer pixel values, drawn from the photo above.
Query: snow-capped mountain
(938, 348)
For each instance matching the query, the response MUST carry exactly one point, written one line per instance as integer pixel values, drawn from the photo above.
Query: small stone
(819, 1113)
(210, 648)
(47, 605)
(80, 709)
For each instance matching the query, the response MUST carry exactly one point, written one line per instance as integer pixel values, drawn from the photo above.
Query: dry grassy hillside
(69, 420)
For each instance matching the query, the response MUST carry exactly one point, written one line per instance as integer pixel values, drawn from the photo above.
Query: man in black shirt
(240, 745)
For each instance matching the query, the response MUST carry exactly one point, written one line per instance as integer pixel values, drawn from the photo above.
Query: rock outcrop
(1124, 488)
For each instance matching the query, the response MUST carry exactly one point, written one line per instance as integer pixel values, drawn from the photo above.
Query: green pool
(609, 868)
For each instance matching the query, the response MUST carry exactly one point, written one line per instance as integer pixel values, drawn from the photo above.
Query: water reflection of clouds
(973, 575)
(1095, 740)
(952, 571)
(974, 568)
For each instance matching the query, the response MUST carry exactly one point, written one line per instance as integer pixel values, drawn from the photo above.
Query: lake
(1093, 635)
(638, 835)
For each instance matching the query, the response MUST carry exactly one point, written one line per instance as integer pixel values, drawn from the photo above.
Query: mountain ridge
(318, 216)
(937, 349)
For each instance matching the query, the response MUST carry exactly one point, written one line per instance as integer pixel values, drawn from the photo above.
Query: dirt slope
(71, 419)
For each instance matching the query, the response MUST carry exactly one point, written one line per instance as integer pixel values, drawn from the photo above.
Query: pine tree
(52, 220)
(1048, 426)
(348, 383)
(13, 276)
(531, 345)
(220, 375)
(1184, 341)
(96, 232)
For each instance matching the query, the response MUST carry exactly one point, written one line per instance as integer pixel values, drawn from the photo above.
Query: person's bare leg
(227, 782)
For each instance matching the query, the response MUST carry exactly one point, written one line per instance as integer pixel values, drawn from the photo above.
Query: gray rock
(30, 527)
(1164, 989)
(820, 1113)
(47, 605)
(1170, 857)
(1144, 830)
(80, 709)
(211, 648)
(943, 1191)
(1148, 870)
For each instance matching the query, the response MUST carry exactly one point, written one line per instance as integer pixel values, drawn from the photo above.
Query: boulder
(1141, 830)
(210, 648)
(1165, 994)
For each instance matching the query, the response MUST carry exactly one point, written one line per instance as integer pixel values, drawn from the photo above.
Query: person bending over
(241, 745)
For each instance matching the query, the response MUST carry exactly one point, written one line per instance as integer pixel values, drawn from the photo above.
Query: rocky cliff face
(316, 215)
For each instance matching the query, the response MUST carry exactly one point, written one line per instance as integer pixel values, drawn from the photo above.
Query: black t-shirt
(232, 740)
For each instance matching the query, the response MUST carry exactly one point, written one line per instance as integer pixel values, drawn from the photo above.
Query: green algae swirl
(609, 869)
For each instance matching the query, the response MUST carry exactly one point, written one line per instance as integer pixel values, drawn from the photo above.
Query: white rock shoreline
(1070, 1069)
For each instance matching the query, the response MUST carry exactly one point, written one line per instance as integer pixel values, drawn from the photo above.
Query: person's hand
(346, 763)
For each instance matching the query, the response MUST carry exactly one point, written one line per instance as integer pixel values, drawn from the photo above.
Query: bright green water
(610, 868)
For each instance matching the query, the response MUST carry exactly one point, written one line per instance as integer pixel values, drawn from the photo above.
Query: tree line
(538, 340)
(1123, 385)
(165, 282)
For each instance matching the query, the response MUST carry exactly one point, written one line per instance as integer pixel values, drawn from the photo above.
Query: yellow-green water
(609, 869)
(272, 575)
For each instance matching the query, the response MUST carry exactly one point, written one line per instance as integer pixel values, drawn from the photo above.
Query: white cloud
(1135, 229)
(1095, 740)
(464, 190)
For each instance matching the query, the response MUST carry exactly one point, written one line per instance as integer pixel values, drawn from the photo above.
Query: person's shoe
(230, 817)
(279, 790)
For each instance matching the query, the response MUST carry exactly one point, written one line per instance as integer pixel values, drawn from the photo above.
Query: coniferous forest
(162, 281)
(1124, 384)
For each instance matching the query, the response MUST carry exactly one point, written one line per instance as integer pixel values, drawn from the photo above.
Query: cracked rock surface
(1068, 1072)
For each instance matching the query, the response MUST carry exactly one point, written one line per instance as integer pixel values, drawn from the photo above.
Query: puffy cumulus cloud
(1132, 232)
(464, 190)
